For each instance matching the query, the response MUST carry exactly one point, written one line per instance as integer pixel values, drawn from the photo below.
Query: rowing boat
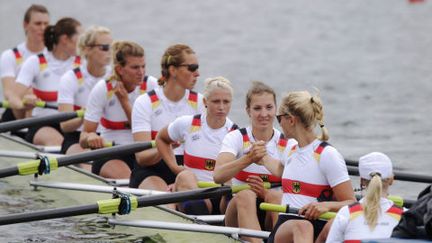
(17, 196)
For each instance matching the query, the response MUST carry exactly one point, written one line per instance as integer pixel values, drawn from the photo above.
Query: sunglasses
(279, 117)
(191, 67)
(102, 47)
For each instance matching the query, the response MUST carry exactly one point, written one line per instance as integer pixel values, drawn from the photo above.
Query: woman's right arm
(89, 137)
(227, 164)
(147, 157)
(20, 98)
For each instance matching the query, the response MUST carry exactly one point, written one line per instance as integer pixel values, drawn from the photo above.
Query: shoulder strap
(282, 143)
(78, 75)
(246, 140)
(153, 98)
(395, 212)
(319, 150)
(77, 61)
(110, 88)
(18, 56)
(234, 127)
(196, 123)
(143, 86)
(42, 62)
(193, 99)
(355, 210)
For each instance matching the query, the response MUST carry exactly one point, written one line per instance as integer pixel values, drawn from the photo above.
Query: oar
(42, 104)
(39, 121)
(288, 209)
(112, 205)
(236, 188)
(94, 188)
(399, 175)
(192, 227)
(26, 155)
(32, 167)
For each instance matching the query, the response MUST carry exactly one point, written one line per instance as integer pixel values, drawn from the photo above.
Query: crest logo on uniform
(264, 178)
(195, 137)
(296, 186)
(210, 164)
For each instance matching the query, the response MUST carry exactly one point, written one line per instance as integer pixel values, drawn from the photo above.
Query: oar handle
(43, 104)
(4, 104)
(235, 189)
(109, 144)
(287, 209)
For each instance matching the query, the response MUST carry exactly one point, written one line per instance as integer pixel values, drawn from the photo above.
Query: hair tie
(372, 174)
(312, 100)
(321, 124)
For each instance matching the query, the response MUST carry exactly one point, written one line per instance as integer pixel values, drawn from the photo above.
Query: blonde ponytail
(372, 206)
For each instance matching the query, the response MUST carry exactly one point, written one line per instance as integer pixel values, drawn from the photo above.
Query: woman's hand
(29, 101)
(257, 152)
(94, 141)
(257, 186)
(313, 210)
(121, 92)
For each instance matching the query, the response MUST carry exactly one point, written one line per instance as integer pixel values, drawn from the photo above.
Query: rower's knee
(246, 200)
(185, 180)
(294, 230)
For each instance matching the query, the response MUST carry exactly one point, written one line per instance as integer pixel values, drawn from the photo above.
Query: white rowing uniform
(239, 142)
(104, 107)
(42, 72)
(12, 60)
(350, 225)
(201, 143)
(153, 111)
(76, 85)
(311, 172)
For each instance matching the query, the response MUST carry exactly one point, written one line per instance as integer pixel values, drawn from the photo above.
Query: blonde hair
(371, 205)
(258, 88)
(122, 50)
(89, 37)
(216, 83)
(307, 108)
(173, 56)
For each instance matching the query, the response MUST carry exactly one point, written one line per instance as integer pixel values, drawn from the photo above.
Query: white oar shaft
(25, 155)
(191, 227)
(94, 188)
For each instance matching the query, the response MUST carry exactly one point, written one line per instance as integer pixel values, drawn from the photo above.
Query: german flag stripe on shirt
(18, 56)
(155, 102)
(78, 75)
(246, 141)
(193, 99)
(42, 62)
(196, 123)
(395, 212)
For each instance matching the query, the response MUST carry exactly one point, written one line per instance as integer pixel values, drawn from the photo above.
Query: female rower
(110, 104)
(36, 19)
(76, 84)
(375, 216)
(313, 172)
(202, 136)
(42, 73)
(157, 108)
(236, 160)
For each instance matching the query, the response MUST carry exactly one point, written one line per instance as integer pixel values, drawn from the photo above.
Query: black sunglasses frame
(279, 117)
(190, 67)
(102, 47)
